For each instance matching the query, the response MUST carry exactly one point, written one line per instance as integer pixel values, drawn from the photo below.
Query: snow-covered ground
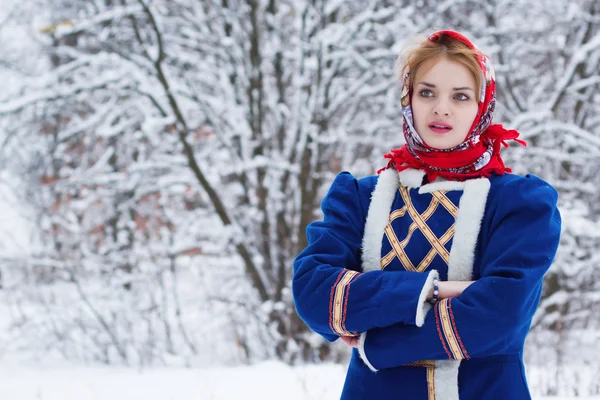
(266, 381)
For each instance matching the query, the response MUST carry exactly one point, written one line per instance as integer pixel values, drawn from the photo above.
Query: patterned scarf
(477, 156)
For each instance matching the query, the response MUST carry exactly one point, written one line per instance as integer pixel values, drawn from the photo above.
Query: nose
(441, 108)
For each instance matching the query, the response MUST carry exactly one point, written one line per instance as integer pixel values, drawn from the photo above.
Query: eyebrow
(431, 85)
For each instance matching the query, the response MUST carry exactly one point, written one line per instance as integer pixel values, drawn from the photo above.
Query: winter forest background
(160, 160)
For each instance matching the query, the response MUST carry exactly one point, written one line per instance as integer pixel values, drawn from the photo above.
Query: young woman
(433, 269)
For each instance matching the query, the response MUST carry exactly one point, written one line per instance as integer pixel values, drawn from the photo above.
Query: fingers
(350, 341)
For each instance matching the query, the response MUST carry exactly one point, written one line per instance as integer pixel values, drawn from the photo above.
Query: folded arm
(330, 294)
(492, 316)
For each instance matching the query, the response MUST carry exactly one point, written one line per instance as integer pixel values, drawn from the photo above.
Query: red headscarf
(477, 156)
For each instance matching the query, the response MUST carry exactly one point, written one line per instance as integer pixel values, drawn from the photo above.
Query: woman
(433, 269)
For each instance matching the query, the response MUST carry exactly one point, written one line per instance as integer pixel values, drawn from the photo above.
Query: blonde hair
(420, 50)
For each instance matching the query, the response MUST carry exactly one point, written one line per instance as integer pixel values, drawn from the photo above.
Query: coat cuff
(423, 306)
(361, 351)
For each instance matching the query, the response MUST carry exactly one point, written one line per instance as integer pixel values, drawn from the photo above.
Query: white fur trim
(467, 225)
(441, 185)
(361, 351)
(446, 379)
(460, 267)
(377, 218)
(411, 177)
(423, 306)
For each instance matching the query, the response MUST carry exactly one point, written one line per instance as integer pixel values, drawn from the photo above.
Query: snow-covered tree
(241, 107)
(176, 150)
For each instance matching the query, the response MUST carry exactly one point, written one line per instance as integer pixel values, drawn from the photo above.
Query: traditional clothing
(368, 268)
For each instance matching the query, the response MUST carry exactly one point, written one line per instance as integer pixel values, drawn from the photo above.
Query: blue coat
(369, 266)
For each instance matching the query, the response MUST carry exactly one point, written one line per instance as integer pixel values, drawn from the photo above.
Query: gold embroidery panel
(419, 221)
(423, 227)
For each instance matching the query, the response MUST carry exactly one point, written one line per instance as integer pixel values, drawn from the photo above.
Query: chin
(440, 145)
(442, 142)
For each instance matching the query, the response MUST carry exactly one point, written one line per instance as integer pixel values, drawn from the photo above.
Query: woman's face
(444, 103)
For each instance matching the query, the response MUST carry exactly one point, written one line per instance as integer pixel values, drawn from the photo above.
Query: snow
(269, 380)
(336, 67)
(15, 229)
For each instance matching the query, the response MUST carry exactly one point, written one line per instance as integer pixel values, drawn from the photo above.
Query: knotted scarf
(477, 156)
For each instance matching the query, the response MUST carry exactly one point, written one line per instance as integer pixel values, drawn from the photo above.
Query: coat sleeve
(493, 315)
(331, 294)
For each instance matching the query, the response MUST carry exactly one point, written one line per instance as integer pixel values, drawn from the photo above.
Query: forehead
(444, 72)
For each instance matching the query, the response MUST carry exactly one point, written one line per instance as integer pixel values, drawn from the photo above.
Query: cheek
(469, 116)
(417, 109)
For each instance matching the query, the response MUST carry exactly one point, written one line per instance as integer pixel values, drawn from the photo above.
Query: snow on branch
(66, 28)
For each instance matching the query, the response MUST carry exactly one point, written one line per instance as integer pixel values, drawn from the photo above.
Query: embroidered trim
(422, 363)
(445, 238)
(423, 227)
(338, 302)
(462, 347)
(419, 221)
(431, 366)
(388, 258)
(448, 329)
(397, 246)
(448, 205)
(331, 299)
(397, 214)
(397, 249)
(438, 325)
(431, 383)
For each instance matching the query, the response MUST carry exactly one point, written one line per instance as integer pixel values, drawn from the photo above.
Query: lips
(440, 127)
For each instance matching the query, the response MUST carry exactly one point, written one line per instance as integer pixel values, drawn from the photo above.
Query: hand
(452, 288)
(447, 289)
(351, 341)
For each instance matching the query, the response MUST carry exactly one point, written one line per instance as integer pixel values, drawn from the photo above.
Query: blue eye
(426, 93)
(461, 97)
